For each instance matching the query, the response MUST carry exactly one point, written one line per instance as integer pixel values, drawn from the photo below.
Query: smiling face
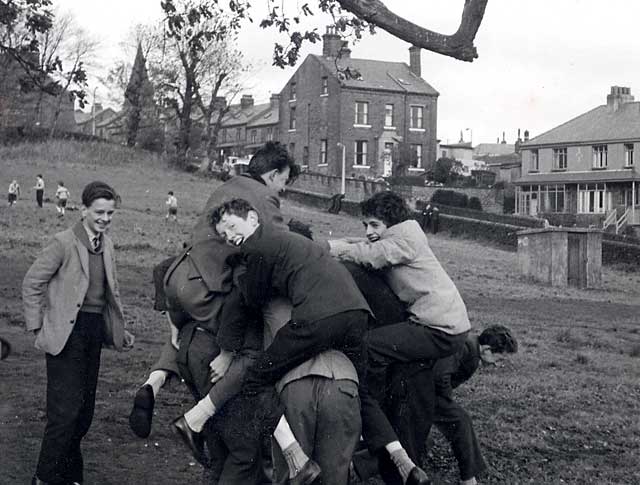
(235, 229)
(97, 217)
(374, 228)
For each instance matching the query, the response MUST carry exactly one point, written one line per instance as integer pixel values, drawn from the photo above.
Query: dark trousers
(457, 427)
(72, 377)
(234, 435)
(39, 197)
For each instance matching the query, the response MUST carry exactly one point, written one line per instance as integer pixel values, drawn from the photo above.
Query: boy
(39, 190)
(13, 193)
(62, 195)
(172, 207)
(72, 304)
(328, 309)
(438, 321)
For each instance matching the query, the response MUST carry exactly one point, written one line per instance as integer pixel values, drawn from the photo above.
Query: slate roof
(238, 116)
(269, 117)
(491, 149)
(601, 124)
(379, 75)
(579, 177)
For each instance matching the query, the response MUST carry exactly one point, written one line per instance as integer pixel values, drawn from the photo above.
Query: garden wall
(358, 190)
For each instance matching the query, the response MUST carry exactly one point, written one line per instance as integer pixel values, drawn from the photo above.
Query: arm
(36, 281)
(385, 252)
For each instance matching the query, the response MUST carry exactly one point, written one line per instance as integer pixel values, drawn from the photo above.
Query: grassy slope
(564, 410)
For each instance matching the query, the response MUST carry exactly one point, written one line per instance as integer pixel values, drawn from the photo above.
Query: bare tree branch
(458, 45)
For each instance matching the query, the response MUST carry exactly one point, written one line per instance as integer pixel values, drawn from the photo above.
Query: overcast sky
(541, 62)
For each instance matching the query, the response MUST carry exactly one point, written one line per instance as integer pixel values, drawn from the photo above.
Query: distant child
(172, 207)
(13, 193)
(62, 195)
(39, 190)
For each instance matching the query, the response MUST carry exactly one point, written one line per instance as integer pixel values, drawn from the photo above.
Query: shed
(561, 256)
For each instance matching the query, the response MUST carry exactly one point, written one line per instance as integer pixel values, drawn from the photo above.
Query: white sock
(156, 380)
(198, 415)
(283, 434)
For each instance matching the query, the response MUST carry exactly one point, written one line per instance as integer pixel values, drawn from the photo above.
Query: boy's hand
(220, 365)
(129, 340)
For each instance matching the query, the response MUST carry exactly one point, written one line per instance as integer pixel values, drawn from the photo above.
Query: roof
(494, 149)
(269, 117)
(601, 124)
(238, 116)
(466, 145)
(590, 176)
(379, 75)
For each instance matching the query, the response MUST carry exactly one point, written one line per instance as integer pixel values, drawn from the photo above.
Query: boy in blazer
(72, 304)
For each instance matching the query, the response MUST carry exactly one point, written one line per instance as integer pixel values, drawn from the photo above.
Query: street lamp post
(343, 180)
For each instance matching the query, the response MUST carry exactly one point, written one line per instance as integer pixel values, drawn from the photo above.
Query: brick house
(585, 171)
(369, 113)
(245, 125)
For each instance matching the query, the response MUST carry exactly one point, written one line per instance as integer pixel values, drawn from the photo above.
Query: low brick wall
(359, 190)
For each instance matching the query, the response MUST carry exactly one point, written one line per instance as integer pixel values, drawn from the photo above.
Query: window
(324, 90)
(362, 113)
(269, 133)
(292, 91)
(388, 115)
(535, 161)
(416, 117)
(592, 198)
(360, 156)
(292, 149)
(560, 158)
(238, 133)
(600, 156)
(305, 156)
(223, 135)
(254, 136)
(323, 152)
(628, 154)
(292, 118)
(416, 159)
(553, 197)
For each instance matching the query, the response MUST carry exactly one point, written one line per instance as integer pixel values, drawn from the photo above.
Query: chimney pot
(331, 43)
(619, 96)
(246, 101)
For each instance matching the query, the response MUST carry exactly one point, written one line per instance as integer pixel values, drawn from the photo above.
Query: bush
(413, 180)
(450, 197)
(509, 204)
(475, 204)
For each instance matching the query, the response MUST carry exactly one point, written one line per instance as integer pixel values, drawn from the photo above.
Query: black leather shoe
(307, 475)
(142, 412)
(5, 349)
(193, 440)
(417, 476)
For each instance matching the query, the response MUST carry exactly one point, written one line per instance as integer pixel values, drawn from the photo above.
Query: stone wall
(358, 190)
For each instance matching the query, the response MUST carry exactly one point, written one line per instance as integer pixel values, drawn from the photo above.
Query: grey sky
(541, 62)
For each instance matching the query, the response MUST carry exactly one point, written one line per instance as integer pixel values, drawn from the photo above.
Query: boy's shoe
(142, 412)
(5, 349)
(307, 475)
(193, 440)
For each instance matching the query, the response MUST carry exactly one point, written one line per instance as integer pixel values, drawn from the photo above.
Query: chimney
(414, 60)
(504, 141)
(97, 107)
(274, 100)
(246, 101)
(526, 135)
(345, 52)
(220, 102)
(618, 96)
(331, 42)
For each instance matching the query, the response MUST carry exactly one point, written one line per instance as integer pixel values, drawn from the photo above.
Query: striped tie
(95, 243)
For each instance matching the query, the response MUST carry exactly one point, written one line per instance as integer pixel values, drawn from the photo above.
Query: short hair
(273, 156)
(39, 175)
(61, 183)
(236, 207)
(499, 338)
(300, 228)
(389, 207)
(98, 190)
(171, 192)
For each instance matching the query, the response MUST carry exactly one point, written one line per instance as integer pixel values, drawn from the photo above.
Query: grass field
(565, 409)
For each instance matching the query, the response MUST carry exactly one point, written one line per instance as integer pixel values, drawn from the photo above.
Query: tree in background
(138, 97)
(49, 51)
(446, 170)
(196, 65)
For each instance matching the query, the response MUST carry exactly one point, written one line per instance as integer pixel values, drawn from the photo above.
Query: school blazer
(55, 287)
